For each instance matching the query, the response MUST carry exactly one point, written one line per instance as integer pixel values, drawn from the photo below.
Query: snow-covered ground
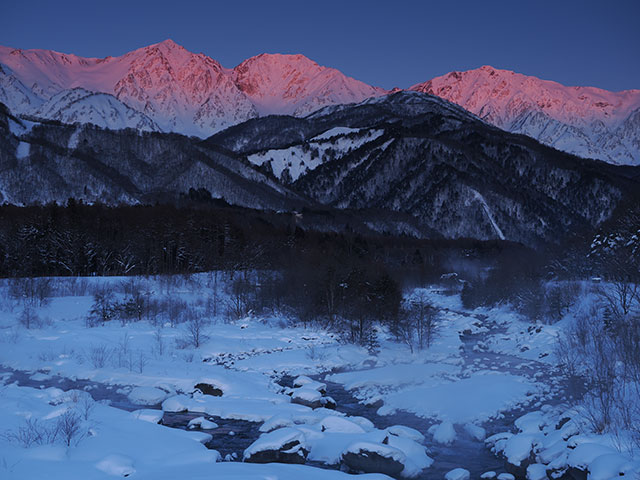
(482, 368)
(296, 160)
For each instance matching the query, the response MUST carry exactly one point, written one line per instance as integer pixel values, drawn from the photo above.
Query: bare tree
(425, 317)
(69, 424)
(195, 335)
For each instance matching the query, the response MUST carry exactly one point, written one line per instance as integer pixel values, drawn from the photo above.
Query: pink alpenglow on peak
(296, 85)
(586, 121)
(175, 89)
(165, 87)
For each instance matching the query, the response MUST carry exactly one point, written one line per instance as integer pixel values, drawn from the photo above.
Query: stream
(232, 437)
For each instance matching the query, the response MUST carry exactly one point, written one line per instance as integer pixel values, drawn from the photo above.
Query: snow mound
(458, 474)
(406, 432)
(147, 396)
(475, 432)
(335, 424)
(443, 433)
(203, 423)
(146, 415)
(117, 465)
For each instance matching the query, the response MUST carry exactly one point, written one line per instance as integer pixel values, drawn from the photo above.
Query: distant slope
(417, 154)
(43, 162)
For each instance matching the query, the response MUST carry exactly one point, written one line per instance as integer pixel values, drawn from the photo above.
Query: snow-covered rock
(310, 397)
(147, 415)
(458, 474)
(335, 424)
(202, 423)
(443, 433)
(475, 432)
(406, 432)
(285, 445)
(147, 396)
(369, 457)
(537, 471)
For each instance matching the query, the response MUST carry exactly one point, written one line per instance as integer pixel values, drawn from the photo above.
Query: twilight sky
(384, 43)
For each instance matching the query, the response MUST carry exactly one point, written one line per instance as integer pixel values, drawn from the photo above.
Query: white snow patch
(457, 474)
(203, 423)
(22, 151)
(116, 465)
(147, 395)
(487, 210)
(146, 415)
(443, 433)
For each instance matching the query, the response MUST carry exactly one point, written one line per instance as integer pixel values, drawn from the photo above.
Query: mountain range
(406, 163)
(164, 87)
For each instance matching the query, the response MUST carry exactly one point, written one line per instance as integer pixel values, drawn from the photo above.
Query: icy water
(113, 394)
(232, 437)
(465, 452)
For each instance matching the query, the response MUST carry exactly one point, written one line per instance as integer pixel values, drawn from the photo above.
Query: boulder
(285, 445)
(208, 389)
(369, 457)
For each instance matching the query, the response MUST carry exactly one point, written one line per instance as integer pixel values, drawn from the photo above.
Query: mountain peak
(579, 120)
(168, 44)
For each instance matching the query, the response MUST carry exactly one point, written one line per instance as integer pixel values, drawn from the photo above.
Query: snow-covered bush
(69, 426)
(607, 356)
(33, 432)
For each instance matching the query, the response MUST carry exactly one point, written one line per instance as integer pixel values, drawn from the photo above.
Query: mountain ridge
(425, 164)
(193, 94)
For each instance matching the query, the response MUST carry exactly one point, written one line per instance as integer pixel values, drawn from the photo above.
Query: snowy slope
(586, 121)
(101, 109)
(193, 94)
(182, 91)
(295, 85)
(14, 94)
(289, 164)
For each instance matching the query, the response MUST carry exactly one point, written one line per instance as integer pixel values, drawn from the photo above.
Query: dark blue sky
(390, 43)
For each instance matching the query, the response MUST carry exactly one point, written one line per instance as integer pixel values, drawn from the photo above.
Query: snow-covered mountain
(295, 85)
(175, 90)
(178, 90)
(14, 94)
(419, 155)
(82, 106)
(586, 121)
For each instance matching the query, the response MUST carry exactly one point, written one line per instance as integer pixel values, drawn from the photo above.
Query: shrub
(103, 309)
